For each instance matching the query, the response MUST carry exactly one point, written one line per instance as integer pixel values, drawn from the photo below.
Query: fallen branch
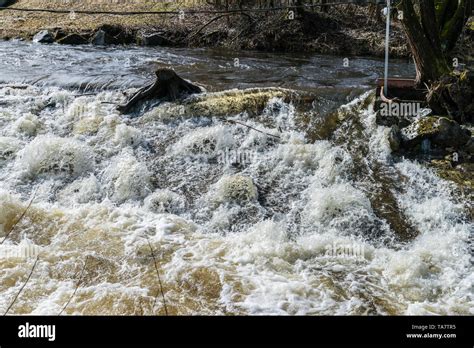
(16, 86)
(77, 286)
(19, 292)
(19, 219)
(84, 95)
(217, 18)
(159, 278)
(245, 125)
(240, 33)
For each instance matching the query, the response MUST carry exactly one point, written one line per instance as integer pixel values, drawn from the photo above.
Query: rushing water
(240, 222)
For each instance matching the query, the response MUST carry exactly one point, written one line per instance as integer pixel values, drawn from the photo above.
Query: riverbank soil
(343, 30)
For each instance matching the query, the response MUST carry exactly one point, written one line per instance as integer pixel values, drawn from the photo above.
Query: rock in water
(43, 36)
(394, 138)
(441, 131)
(469, 147)
(100, 38)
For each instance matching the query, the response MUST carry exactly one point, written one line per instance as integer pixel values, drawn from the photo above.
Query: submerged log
(168, 85)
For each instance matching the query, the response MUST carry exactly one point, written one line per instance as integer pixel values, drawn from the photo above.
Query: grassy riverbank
(345, 30)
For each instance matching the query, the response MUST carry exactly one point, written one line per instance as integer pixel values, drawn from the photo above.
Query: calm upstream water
(239, 221)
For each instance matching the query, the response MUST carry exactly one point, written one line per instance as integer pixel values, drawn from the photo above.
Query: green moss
(232, 102)
(428, 126)
(464, 179)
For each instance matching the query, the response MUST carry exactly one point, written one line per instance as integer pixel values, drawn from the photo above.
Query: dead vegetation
(342, 30)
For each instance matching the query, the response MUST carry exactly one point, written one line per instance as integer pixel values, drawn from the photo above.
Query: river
(228, 219)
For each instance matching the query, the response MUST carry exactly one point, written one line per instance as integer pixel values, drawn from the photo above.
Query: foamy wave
(286, 233)
(50, 155)
(165, 201)
(9, 146)
(127, 178)
(28, 125)
(204, 141)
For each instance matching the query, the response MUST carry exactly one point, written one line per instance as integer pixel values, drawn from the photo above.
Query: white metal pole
(387, 37)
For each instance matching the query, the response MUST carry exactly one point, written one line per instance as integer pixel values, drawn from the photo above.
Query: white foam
(296, 153)
(55, 156)
(127, 136)
(81, 191)
(204, 141)
(268, 253)
(127, 178)
(28, 124)
(327, 205)
(233, 188)
(165, 201)
(9, 146)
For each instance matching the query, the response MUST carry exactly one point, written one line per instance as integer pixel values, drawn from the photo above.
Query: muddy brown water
(321, 219)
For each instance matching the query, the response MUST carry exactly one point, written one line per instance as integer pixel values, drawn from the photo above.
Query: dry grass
(26, 24)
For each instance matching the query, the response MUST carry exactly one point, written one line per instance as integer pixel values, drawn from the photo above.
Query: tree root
(168, 85)
(452, 95)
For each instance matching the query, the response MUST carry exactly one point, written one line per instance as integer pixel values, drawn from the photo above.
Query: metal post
(387, 37)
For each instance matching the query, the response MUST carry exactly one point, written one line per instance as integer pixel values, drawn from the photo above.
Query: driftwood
(168, 85)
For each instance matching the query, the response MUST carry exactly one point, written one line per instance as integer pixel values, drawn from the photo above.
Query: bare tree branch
(19, 292)
(19, 219)
(158, 276)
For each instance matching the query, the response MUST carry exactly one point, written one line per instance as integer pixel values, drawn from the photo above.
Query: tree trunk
(432, 30)
(324, 8)
(168, 85)
(299, 7)
(430, 61)
(453, 25)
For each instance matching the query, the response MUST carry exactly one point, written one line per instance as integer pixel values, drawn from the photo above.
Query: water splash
(294, 230)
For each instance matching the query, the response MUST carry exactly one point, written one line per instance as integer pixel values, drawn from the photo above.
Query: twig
(159, 278)
(19, 219)
(16, 86)
(84, 94)
(77, 286)
(245, 125)
(215, 19)
(19, 292)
